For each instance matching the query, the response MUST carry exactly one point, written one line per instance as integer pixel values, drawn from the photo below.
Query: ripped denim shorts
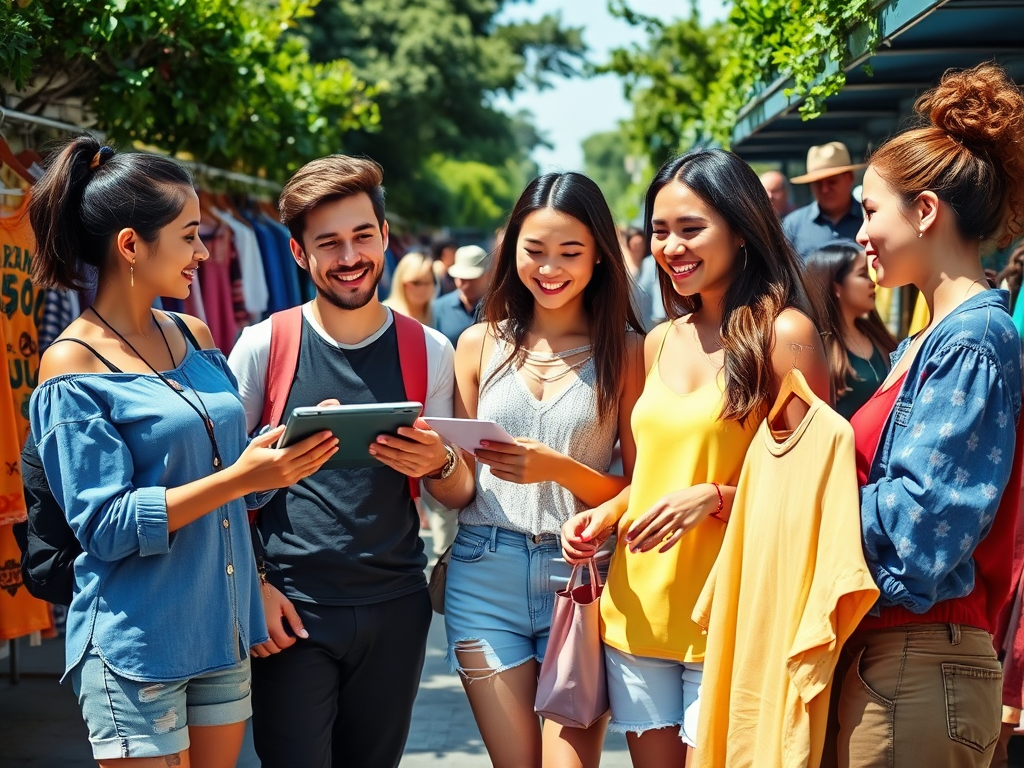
(499, 597)
(127, 718)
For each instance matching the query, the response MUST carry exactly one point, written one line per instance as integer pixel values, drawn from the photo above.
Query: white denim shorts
(647, 694)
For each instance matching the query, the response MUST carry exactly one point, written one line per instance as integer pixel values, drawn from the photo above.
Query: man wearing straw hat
(834, 214)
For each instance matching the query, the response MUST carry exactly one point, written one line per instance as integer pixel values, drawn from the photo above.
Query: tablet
(355, 426)
(467, 433)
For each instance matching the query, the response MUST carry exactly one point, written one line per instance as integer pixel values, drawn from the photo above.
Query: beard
(345, 299)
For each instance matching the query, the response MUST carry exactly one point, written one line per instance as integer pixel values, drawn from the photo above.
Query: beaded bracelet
(721, 503)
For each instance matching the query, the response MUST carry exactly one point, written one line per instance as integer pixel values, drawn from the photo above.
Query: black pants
(342, 697)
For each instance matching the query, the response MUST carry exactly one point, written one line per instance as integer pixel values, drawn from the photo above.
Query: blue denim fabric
(157, 606)
(944, 458)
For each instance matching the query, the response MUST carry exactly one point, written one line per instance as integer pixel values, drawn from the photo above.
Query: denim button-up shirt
(157, 606)
(944, 458)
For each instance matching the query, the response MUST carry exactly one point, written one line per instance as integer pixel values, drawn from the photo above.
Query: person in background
(834, 214)
(919, 682)
(456, 311)
(858, 345)
(556, 364)
(777, 187)
(413, 288)
(142, 435)
(737, 307)
(442, 251)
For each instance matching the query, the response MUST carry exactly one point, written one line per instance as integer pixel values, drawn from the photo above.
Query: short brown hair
(326, 179)
(970, 153)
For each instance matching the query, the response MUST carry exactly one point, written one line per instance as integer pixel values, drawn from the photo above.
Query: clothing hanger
(794, 385)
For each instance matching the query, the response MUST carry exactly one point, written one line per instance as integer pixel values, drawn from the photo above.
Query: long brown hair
(508, 306)
(824, 269)
(767, 279)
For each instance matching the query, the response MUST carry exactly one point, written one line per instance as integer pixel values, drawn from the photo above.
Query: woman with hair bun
(919, 683)
(142, 435)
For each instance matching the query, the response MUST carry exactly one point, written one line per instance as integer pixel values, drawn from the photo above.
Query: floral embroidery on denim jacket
(944, 459)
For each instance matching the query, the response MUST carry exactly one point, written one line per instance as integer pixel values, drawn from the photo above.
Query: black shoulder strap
(183, 327)
(113, 368)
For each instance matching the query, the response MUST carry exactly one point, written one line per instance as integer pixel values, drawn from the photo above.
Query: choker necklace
(173, 385)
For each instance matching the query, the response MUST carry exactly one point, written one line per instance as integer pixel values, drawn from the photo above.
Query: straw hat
(471, 261)
(826, 160)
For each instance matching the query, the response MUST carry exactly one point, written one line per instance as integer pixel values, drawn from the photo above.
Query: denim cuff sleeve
(258, 500)
(151, 518)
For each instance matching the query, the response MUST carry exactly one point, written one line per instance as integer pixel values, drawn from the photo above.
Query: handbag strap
(595, 576)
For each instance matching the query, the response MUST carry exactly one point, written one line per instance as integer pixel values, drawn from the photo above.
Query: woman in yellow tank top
(739, 321)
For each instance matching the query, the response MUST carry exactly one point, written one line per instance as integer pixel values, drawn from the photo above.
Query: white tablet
(467, 433)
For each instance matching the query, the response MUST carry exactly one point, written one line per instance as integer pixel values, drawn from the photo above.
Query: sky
(576, 108)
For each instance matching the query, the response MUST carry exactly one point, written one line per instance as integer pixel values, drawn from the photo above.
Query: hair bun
(980, 108)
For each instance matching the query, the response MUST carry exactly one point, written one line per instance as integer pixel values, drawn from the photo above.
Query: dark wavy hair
(508, 307)
(824, 269)
(767, 278)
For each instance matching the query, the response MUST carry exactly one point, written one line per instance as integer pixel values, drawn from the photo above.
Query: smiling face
(856, 291)
(889, 238)
(555, 257)
(168, 265)
(692, 243)
(343, 251)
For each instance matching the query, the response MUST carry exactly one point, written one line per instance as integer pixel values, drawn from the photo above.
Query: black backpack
(48, 546)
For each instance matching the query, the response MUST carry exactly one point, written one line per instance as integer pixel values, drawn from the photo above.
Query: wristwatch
(450, 463)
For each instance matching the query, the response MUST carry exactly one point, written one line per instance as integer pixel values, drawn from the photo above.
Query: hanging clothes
(254, 278)
(272, 266)
(60, 308)
(789, 587)
(20, 613)
(282, 240)
(215, 279)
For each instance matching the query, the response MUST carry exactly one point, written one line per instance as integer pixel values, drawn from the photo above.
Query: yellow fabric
(883, 303)
(921, 315)
(789, 587)
(680, 442)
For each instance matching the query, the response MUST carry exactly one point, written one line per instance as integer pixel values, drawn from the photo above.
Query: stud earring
(920, 234)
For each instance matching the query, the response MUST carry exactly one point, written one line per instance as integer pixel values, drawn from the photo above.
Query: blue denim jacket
(157, 606)
(944, 458)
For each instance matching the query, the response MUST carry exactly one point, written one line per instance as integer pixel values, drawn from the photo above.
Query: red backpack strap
(412, 357)
(285, 337)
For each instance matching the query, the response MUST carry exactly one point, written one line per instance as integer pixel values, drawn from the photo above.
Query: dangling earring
(131, 273)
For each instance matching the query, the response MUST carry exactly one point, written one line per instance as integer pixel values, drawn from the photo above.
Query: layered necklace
(542, 365)
(174, 386)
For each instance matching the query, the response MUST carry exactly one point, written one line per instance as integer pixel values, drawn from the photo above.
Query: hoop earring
(744, 247)
(131, 273)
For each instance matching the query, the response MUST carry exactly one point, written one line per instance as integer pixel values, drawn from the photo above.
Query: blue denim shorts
(647, 694)
(127, 718)
(500, 594)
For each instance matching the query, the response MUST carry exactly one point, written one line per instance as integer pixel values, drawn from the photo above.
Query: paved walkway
(41, 726)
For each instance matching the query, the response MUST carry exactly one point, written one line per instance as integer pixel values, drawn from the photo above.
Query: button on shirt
(451, 316)
(808, 229)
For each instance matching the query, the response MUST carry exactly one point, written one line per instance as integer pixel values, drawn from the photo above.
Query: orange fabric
(20, 613)
(12, 500)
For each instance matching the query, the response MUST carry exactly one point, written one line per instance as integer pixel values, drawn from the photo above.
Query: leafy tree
(439, 64)
(218, 79)
(605, 160)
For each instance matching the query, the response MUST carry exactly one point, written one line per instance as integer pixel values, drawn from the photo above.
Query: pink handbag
(572, 689)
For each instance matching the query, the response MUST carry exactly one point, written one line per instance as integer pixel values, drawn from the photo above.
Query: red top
(993, 557)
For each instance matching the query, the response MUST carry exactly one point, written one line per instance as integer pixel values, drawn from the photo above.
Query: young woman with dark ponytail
(919, 683)
(142, 435)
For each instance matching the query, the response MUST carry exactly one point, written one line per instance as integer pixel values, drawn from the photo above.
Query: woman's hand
(261, 467)
(585, 532)
(524, 461)
(671, 517)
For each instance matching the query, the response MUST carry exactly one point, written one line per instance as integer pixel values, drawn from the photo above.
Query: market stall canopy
(919, 40)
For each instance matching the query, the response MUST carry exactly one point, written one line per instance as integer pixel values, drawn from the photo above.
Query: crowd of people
(314, 620)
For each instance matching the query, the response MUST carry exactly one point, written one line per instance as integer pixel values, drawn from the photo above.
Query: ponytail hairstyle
(766, 282)
(508, 307)
(824, 269)
(88, 194)
(970, 153)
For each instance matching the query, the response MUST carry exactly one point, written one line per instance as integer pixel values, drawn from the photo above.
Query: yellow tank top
(680, 442)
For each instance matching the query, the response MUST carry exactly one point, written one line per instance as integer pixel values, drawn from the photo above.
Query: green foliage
(439, 64)
(218, 79)
(668, 80)
(479, 195)
(605, 160)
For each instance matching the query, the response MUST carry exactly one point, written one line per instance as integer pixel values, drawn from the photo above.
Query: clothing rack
(198, 168)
